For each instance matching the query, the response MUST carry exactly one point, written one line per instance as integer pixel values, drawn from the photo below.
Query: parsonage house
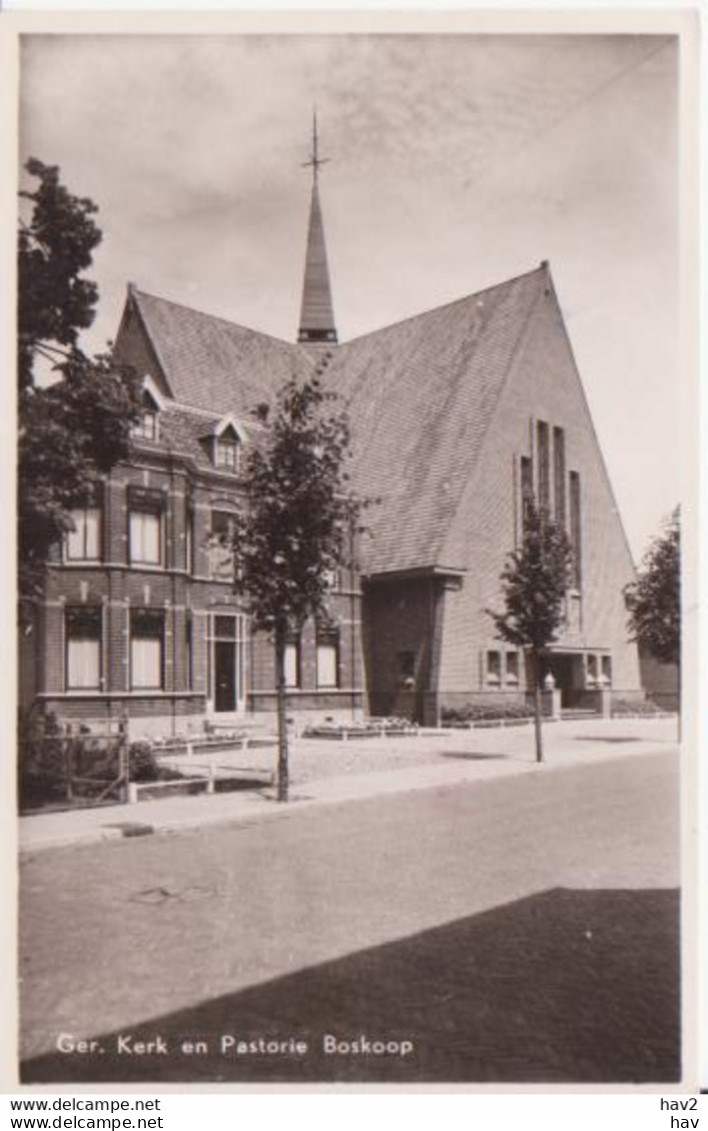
(458, 416)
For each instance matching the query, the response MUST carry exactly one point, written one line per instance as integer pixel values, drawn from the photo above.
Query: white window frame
(80, 517)
(135, 513)
(148, 427)
(292, 664)
(135, 638)
(96, 650)
(327, 645)
(227, 455)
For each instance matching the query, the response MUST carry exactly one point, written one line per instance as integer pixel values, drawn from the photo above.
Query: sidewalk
(464, 757)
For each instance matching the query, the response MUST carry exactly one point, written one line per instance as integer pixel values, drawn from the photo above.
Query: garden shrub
(489, 711)
(643, 707)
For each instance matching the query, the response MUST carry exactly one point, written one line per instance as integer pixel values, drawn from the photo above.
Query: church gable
(541, 440)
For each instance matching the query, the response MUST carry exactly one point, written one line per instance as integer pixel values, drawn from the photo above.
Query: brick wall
(117, 586)
(542, 385)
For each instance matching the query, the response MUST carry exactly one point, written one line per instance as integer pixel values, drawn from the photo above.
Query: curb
(267, 809)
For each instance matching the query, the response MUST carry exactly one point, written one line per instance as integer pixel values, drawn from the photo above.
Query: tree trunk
(679, 697)
(283, 777)
(536, 665)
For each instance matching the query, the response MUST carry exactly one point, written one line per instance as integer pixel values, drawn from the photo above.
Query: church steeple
(316, 312)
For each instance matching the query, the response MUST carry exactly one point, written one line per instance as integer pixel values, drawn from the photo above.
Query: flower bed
(373, 728)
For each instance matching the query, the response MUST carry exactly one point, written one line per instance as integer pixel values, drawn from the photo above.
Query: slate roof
(420, 395)
(214, 364)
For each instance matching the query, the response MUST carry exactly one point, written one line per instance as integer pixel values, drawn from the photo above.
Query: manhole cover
(163, 894)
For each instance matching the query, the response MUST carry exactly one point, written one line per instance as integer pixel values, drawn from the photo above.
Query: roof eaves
(215, 318)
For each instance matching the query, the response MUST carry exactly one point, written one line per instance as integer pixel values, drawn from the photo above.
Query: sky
(455, 162)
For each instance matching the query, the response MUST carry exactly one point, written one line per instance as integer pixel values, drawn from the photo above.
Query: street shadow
(597, 739)
(471, 755)
(564, 986)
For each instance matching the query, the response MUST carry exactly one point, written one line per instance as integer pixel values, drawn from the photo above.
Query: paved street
(517, 928)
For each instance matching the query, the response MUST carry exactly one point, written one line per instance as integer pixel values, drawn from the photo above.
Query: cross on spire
(315, 160)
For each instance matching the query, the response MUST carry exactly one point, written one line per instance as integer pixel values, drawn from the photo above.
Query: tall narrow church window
(189, 541)
(544, 469)
(559, 476)
(83, 648)
(576, 529)
(189, 647)
(526, 489)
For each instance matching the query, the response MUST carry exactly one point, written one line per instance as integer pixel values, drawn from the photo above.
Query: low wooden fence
(72, 766)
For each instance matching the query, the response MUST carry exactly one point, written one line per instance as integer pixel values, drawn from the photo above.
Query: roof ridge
(173, 405)
(541, 269)
(213, 317)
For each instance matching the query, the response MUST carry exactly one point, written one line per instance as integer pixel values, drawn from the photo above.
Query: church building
(459, 416)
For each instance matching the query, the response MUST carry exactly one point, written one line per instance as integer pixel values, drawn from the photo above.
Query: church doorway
(569, 673)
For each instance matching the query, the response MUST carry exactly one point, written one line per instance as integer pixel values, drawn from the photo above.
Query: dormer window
(146, 428)
(226, 439)
(226, 450)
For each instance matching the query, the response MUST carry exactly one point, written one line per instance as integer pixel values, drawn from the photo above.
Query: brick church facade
(458, 416)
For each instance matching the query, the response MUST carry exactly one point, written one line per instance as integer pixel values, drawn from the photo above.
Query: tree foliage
(298, 524)
(54, 301)
(534, 582)
(78, 427)
(300, 513)
(654, 599)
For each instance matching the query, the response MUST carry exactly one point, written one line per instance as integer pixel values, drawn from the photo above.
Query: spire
(316, 313)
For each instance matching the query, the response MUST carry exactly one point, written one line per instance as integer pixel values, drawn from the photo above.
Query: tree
(534, 583)
(298, 524)
(54, 301)
(654, 599)
(78, 427)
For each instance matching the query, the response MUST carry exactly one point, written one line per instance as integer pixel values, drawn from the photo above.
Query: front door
(224, 676)
(228, 669)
